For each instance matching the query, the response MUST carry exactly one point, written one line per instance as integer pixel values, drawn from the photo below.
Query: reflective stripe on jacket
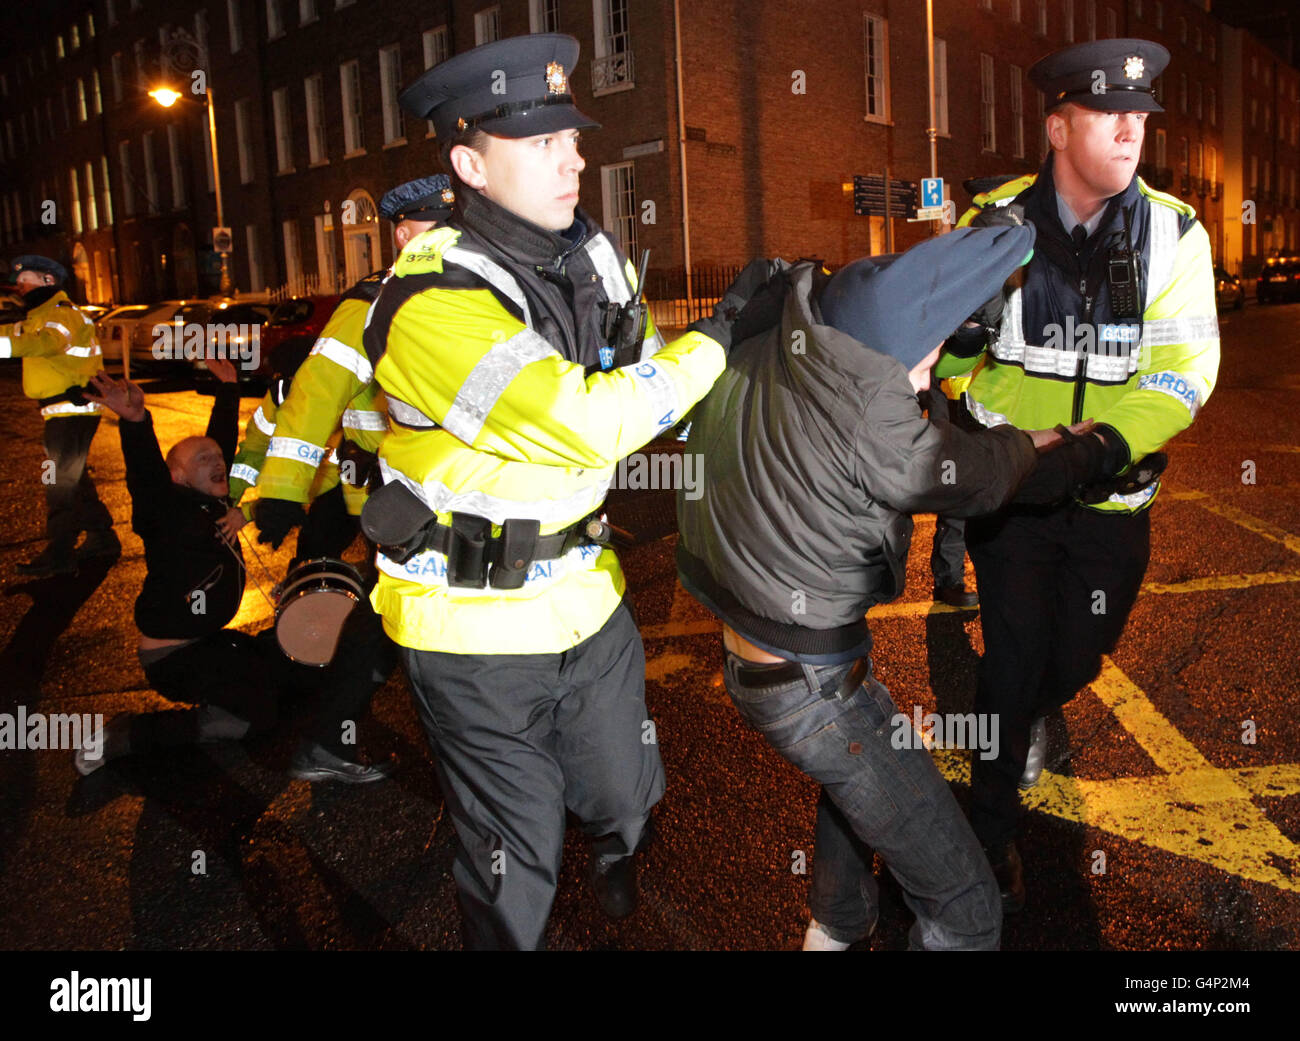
(59, 349)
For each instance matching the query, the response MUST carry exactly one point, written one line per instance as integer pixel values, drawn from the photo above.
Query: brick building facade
(781, 105)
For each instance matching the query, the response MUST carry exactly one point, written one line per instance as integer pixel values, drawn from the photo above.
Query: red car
(303, 316)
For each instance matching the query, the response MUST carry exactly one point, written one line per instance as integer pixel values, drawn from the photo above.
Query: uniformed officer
(60, 354)
(511, 402)
(1115, 321)
(286, 451)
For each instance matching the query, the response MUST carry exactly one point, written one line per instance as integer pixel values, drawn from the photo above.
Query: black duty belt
(763, 677)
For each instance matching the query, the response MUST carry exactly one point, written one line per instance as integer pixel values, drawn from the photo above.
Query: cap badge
(1133, 67)
(556, 81)
(448, 196)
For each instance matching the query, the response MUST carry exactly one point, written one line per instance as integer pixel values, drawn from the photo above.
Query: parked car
(114, 329)
(143, 337)
(1228, 291)
(233, 330)
(303, 317)
(1280, 280)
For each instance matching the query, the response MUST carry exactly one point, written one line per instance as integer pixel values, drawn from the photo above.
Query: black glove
(275, 518)
(1061, 472)
(755, 276)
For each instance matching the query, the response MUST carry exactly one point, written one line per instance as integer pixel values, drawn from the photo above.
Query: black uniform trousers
(517, 739)
(1056, 587)
(249, 676)
(71, 503)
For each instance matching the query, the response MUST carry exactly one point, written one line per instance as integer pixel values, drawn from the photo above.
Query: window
(1254, 173)
(75, 204)
(876, 32)
(1090, 18)
(254, 258)
(436, 51)
(307, 12)
(1268, 175)
(1042, 17)
(244, 141)
(390, 85)
(81, 101)
(283, 130)
(1214, 166)
(487, 26)
(1182, 93)
(618, 193)
(1111, 30)
(1214, 107)
(326, 262)
(74, 38)
(941, 86)
(236, 26)
(111, 8)
(58, 53)
(201, 32)
(96, 101)
(138, 52)
(612, 68)
(1017, 113)
(350, 80)
(177, 170)
(106, 200)
(314, 89)
(1184, 158)
(988, 131)
(128, 186)
(292, 253)
(274, 20)
(1160, 15)
(544, 16)
(92, 209)
(1067, 16)
(150, 173)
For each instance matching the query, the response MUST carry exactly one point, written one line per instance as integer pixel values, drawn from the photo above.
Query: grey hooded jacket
(814, 454)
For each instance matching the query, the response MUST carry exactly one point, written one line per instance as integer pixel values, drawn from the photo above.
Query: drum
(317, 598)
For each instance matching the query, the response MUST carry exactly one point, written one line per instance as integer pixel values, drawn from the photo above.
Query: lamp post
(181, 54)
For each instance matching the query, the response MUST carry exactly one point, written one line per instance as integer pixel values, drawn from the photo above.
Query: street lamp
(181, 51)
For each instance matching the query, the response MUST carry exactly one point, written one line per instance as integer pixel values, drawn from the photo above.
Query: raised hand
(122, 396)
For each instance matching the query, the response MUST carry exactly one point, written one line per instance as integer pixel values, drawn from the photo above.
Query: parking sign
(931, 191)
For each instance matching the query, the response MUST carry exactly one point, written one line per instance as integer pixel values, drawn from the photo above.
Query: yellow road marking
(1239, 517)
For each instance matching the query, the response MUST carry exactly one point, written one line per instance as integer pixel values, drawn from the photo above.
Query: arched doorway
(360, 235)
(81, 270)
(185, 265)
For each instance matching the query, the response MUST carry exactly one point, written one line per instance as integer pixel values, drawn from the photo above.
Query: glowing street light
(165, 96)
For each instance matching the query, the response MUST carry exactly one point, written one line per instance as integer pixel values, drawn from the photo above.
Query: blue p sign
(931, 191)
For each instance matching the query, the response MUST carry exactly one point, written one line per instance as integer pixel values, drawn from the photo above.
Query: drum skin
(317, 599)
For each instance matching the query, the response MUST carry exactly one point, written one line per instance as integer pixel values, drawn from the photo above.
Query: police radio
(624, 325)
(1123, 277)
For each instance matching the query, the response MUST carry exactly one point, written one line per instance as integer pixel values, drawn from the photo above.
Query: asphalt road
(1149, 776)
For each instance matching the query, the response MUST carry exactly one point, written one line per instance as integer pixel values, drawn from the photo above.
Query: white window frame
(313, 88)
(487, 25)
(941, 86)
(988, 105)
(92, 205)
(326, 256)
(308, 11)
(618, 199)
(244, 140)
(235, 25)
(875, 54)
(177, 170)
(436, 44)
(128, 185)
(354, 142)
(150, 172)
(292, 253)
(106, 201)
(81, 100)
(274, 20)
(96, 97)
(1042, 17)
(282, 119)
(390, 85)
(255, 279)
(1016, 78)
(543, 16)
(75, 202)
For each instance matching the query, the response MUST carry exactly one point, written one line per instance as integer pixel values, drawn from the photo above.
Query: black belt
(763, 677)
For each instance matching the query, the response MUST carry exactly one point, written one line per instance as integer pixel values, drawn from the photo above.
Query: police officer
(60, 354)
(286, 444)
(1115, 322)
(511, 406)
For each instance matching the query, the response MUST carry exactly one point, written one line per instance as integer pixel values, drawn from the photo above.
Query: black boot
(1010, 873)
(614, 882)
(52, 560)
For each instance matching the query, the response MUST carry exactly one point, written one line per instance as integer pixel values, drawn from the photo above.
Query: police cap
(515, 87)
(41, 265)
(1106, 75)
(425, 198)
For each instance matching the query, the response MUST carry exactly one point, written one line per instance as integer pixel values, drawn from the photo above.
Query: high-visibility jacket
(522, 431)
(333, 389)
(59, 349)
(246, 468)
(1061, 353)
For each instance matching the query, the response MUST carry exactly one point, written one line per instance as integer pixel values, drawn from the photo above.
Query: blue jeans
(876, 798)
